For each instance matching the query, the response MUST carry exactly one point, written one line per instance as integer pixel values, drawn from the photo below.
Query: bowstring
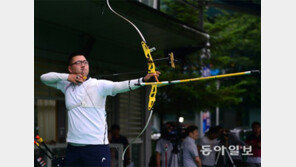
(151, 111)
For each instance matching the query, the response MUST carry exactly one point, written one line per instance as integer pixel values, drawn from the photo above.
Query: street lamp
(181, 119)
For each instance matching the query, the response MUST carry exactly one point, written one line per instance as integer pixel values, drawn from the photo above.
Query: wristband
(129, 84)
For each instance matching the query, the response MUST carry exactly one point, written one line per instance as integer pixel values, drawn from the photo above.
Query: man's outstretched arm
(125, 86)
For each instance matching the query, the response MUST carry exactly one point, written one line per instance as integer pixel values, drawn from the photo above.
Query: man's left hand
(148, 76)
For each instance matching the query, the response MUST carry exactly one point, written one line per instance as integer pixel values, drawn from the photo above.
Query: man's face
(79, 65)
(169, 127)
(115, 132)
(214, 135)
(194, 134)
(257, 129)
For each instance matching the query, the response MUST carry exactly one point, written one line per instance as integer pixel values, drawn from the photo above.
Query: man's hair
(76, 53)
(214, 129)
(165, 130)
(115, 127)
(190, 129)
(255, 123)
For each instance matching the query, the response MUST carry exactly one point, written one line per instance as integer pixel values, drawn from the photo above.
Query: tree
(235, 47)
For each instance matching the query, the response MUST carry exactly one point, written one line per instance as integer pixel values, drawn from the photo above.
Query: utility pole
(217, 107)
(200, 7)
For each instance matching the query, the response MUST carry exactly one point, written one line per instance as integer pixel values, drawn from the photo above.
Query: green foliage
(235, 47)
(236, 32)
(180, 11)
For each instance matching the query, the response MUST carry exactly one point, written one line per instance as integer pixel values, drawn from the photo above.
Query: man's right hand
(75, 78)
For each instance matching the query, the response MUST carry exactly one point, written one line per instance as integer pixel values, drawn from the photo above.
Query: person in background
(190, 152)
(209, 140)
(109, 135)
(116, 137)
(228, 139)
(164, 147)
(254, 140)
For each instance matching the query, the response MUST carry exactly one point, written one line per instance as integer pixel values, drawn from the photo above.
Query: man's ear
(69, 69)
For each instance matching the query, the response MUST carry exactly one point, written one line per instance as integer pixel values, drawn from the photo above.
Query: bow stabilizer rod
(163, 83)
(42, 150)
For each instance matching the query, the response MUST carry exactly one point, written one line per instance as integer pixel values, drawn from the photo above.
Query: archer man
(85, 99)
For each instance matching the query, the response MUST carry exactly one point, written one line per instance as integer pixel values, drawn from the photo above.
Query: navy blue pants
(87, 156)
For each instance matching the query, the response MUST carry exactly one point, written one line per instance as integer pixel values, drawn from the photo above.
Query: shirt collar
(190, 139)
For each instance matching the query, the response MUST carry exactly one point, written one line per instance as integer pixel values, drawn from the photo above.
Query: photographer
(254, 140)
(227, 139)
(209, 140)
(190, 153)
(164, 147)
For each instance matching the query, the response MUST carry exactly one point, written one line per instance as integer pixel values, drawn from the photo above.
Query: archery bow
(170, 59)
(38, 141)
(151, 70)
(154, 85)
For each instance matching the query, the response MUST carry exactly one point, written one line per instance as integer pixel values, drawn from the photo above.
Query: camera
(174, 132)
